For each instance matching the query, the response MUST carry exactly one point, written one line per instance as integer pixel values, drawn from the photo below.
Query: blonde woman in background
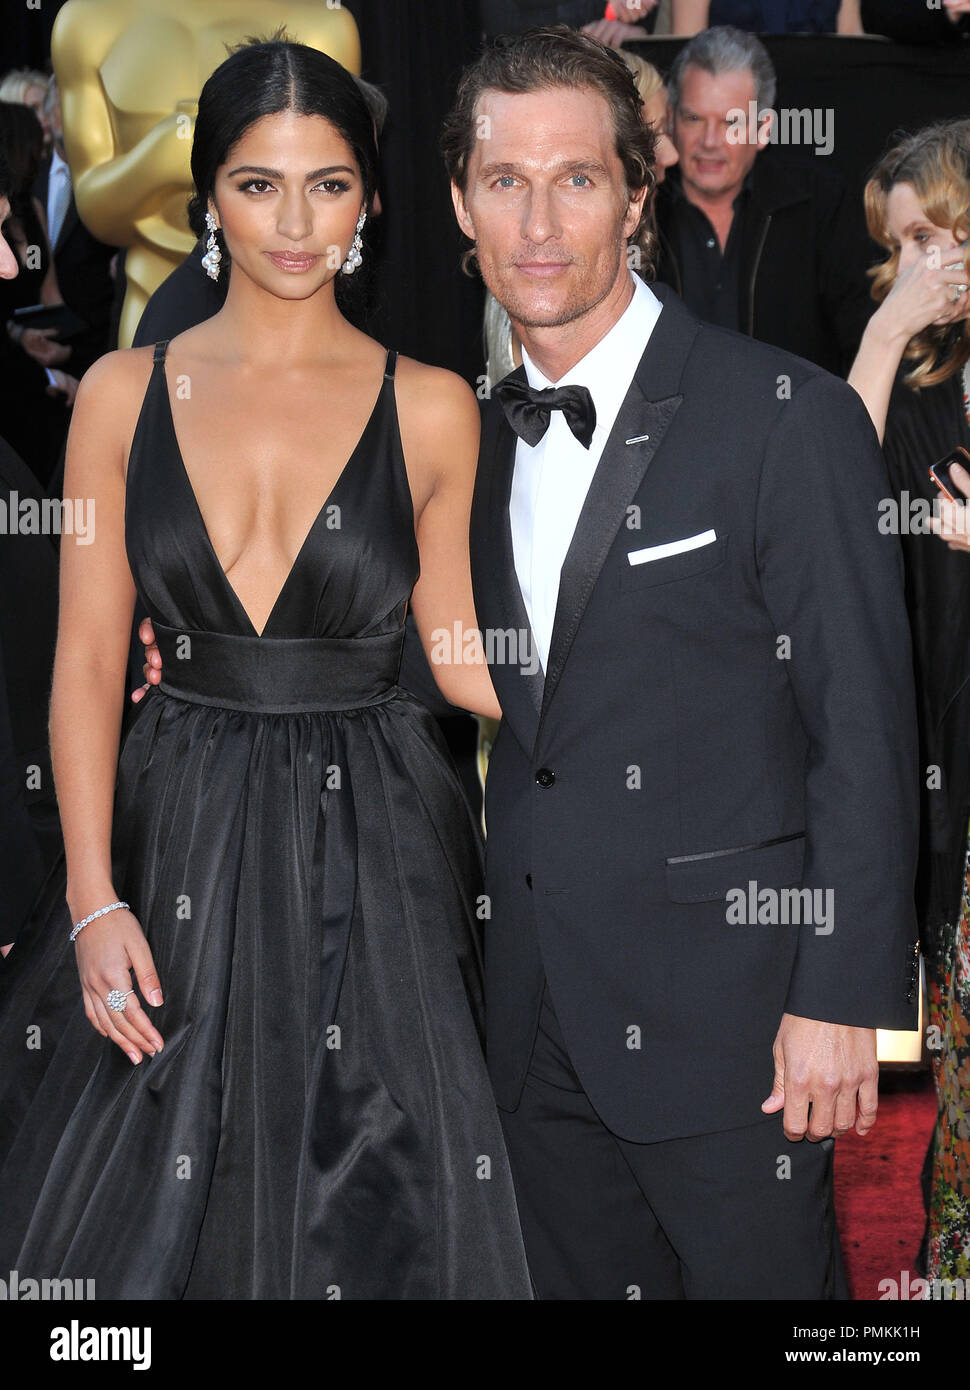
(27, 87)
(502, 349)
(913, 372)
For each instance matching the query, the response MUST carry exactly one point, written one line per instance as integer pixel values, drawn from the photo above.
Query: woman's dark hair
(22, 144)
(6, 175)
(552, 57)
(261, 78)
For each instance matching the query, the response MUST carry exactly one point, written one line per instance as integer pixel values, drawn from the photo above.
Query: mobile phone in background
(55, 384)
(940, 473)
(57, 316)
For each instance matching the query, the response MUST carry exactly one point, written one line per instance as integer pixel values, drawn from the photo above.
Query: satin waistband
(278, 675)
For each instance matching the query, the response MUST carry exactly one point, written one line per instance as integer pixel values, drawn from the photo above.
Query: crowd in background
(625, 21)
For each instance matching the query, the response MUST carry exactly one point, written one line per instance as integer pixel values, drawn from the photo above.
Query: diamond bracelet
(100, 913)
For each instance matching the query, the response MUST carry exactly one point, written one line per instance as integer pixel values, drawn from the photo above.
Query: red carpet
(877, 1185)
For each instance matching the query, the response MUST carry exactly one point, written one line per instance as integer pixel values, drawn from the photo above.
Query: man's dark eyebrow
(277, 174)
(568, 166)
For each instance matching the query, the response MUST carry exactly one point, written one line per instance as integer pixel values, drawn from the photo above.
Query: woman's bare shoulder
(109, 399)
(117, 375)
(434, 399)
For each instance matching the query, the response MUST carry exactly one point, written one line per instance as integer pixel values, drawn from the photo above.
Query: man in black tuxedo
(701, 810)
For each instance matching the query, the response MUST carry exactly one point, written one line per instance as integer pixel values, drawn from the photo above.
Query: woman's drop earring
(354, 257)
(212, 259)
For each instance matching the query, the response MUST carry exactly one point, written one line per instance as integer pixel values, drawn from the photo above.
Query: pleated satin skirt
(319, 1124)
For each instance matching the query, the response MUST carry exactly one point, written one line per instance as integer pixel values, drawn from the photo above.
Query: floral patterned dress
(949, 1013)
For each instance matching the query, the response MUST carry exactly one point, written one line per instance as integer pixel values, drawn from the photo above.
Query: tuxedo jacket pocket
(705, 877)
(676, 559)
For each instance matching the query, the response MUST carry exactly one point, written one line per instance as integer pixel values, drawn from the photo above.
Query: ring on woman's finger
(117, 999)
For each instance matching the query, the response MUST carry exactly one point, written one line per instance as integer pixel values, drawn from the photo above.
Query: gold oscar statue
(130, 73)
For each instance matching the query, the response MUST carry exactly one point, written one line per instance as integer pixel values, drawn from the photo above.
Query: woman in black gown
(307, 1113)
(913, 372)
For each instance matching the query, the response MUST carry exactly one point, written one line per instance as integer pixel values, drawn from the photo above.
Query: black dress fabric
(922, 427)
(291, 835)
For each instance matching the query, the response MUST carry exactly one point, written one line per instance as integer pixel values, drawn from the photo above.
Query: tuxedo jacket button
(545, 777)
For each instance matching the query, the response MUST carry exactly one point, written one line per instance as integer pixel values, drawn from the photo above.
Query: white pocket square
(660, 552)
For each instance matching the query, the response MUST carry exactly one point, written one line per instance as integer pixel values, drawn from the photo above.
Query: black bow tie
(528, 410)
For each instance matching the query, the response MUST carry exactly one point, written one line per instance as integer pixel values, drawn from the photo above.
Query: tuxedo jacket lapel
(616, 481)
(521, 693)
(643, 420)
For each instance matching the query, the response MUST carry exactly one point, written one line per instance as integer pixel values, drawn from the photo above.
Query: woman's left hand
(952, 521)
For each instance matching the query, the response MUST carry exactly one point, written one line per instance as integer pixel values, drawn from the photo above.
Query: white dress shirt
(58, 196)
(550, 481)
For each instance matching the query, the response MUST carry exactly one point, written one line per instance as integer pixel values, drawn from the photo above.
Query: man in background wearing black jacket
(767, 247)
(82, 264)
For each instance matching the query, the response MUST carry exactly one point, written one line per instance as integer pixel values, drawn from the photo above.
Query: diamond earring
(354, 257)
(212, 259)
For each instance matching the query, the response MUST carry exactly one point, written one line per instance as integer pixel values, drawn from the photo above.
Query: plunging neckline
(230, 589)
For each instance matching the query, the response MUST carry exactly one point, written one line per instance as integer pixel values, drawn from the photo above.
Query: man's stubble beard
(554, 318)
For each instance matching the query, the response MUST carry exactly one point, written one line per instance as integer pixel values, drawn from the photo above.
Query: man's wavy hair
(557, 56)
(936, 162)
